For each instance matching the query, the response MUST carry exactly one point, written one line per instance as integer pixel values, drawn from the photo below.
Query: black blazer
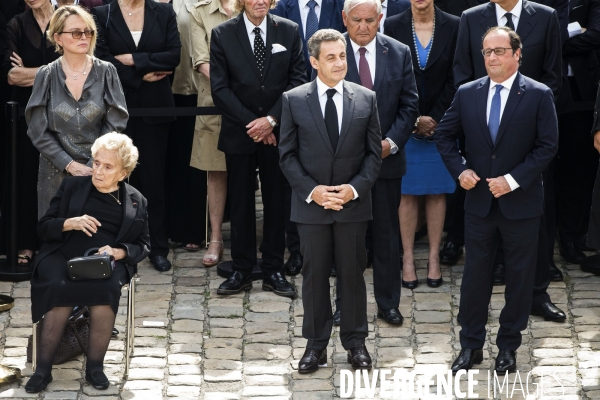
(307, 158)
(238, 89)
(397, 99)
(583, 51)
(540, 34)
(455, 7)
(330, 18)
(158, 50)
(526, 143)
(68, 203)
(436, 83)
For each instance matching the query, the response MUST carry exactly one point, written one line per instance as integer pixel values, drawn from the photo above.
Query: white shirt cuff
(309, 198)
(355, 192)
(511, 182)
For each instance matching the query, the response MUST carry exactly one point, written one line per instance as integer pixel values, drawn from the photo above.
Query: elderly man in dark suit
(511, 134)
(331, 155)
(254, 58)
(538, 27)
(383, 65)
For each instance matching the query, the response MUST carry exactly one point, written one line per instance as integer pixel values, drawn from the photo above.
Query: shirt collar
(516, 11)
(507, 83)
(304, 3)
(215, 5)
(55, 3)
(250, 26)
(370, 46)
(322, 88)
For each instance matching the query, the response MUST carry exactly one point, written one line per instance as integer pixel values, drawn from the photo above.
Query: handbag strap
(89, 251)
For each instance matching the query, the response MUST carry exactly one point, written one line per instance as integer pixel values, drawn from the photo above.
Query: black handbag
(98, 266)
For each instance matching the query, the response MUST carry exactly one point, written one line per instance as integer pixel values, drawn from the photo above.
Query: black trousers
(594, 228)
(292, 239)
(185, 185)
(520, 240)
(149, 176)
(455, 216)
(240, 185)
(320, 246)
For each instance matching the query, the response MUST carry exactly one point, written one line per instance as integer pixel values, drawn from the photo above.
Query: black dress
(24, 37)
(51, 288)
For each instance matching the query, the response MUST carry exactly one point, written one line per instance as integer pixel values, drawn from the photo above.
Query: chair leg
(34, 345)
(130, 324)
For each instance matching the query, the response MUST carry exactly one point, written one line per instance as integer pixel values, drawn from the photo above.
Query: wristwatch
(393, 147)
(272, 121)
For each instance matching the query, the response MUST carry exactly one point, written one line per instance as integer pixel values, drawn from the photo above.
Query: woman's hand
(79, 169)
(15, 60)
(85, 223)
(426, 126)
(156, 76)
(126, 59)
(204, 69)
(118, 254)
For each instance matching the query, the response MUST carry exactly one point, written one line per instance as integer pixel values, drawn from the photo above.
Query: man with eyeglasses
(538, 27)
(510, 131)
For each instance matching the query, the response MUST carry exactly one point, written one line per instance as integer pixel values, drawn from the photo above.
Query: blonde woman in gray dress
(75, 100)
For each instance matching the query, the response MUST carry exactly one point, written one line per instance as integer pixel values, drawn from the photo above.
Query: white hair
(122, 146)
(350, 4)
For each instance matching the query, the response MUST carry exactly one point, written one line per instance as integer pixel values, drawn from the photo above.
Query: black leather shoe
(391, 316)
(466, 359)
(556, 274)
(235, 284)
(433, 283)
(549, 311)
(312, 360)
(506, 361)
(37, 383)
(582, 244)
(160, 263)
(571, 253)
(97, 379)
(277, 284)
(293, 265)
(498, 275)
(450, 253)
(591, 264)
(337, 318)
(359, 357)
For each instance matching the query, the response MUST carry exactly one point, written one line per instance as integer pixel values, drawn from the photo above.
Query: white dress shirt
(516, 14)
(384, 13)
(304, 9)
(338, 100)
(506, 85)
(250, 27)
(369, 55)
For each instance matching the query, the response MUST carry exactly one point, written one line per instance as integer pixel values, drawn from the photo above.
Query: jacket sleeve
(445, 98)
(448, 131)
(552, 66)
(463, 66)
(50, 226)
(596, 124)
(588, 40)
(140, 249)
(116, 108)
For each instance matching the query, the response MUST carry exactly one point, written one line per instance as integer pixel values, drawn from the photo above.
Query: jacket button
(262, 88)
(493, 157)
(259, 108)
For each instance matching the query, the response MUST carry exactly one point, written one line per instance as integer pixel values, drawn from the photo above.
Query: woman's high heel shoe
(411, 284)
(210, 260)
(433, 283)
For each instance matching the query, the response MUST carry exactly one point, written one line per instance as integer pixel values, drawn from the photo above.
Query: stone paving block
(226, 322)
(143, 385)
(222, 376)
(312, 396)
(61, 395)
(269, 306)
(223, 364)
(186, 348)
(183, 391)
(185, 370)
(187, 325)
(281, 316)
(154, 374)
(232, 333)
(142, 394)
(266, 352)
(63, 385)
(112, 390)
(220, 396)
(262, 367)
(183, 359)
(268, 380)
(216, 343)
(190, 380)
(224, 354)
(14, 393)
(265, 390)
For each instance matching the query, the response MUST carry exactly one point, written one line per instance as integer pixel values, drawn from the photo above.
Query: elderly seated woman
(98, 211)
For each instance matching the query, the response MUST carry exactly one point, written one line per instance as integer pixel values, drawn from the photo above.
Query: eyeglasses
(500, 51)
(77, 34)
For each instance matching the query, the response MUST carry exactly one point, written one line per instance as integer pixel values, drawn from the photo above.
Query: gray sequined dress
(64, 129)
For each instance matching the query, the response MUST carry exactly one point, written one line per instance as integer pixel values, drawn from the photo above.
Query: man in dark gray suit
(330, 153)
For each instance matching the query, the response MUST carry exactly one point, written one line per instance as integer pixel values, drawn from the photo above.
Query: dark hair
(515, 39)
(323, 35)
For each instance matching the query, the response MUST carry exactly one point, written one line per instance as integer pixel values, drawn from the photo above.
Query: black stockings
(102, 321)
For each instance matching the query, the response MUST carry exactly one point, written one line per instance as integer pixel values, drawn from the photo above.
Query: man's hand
(597, 140)
(344, 193)
(321, 196)
(79, 169)
(270, 139)
(385, 148)
(259, 129)
(426, 126)
(468, 179)
(126, 59)
(498, 186)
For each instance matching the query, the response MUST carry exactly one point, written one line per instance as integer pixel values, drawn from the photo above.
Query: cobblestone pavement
(247, 346)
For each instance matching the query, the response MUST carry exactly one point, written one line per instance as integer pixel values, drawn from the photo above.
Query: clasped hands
(260, 130)
(498, 186)
(89, 225)
(332, 197)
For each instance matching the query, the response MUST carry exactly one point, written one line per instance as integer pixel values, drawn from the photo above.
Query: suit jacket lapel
(77, 202)
(149, 20)
(442, 36)
(352, 74)
(482, 96)
(514, 97)
(131, 205)
(327, 7)
(119, 25)
(488, 18)
(312, 97)
(347, 114)
(271, 33)
(245, 43)
(293, 14)
(527, 21)
(381, 57)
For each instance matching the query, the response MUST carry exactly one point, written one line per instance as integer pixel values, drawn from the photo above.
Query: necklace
(415, 41)
(129, 13)
(116, 198)
(75, 77)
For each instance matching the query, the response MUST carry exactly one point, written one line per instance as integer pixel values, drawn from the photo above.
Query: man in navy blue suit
(510, 130)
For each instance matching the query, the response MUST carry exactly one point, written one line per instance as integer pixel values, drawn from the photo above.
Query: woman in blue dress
(431, 35)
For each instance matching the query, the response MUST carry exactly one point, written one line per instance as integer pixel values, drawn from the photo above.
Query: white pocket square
(277, 48)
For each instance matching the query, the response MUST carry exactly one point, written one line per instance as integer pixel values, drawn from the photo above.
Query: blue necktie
(312, 22)
(494, 121)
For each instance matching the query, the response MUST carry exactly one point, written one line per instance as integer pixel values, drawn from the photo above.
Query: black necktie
(509, 21)
(331, 119)
(259, 49)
